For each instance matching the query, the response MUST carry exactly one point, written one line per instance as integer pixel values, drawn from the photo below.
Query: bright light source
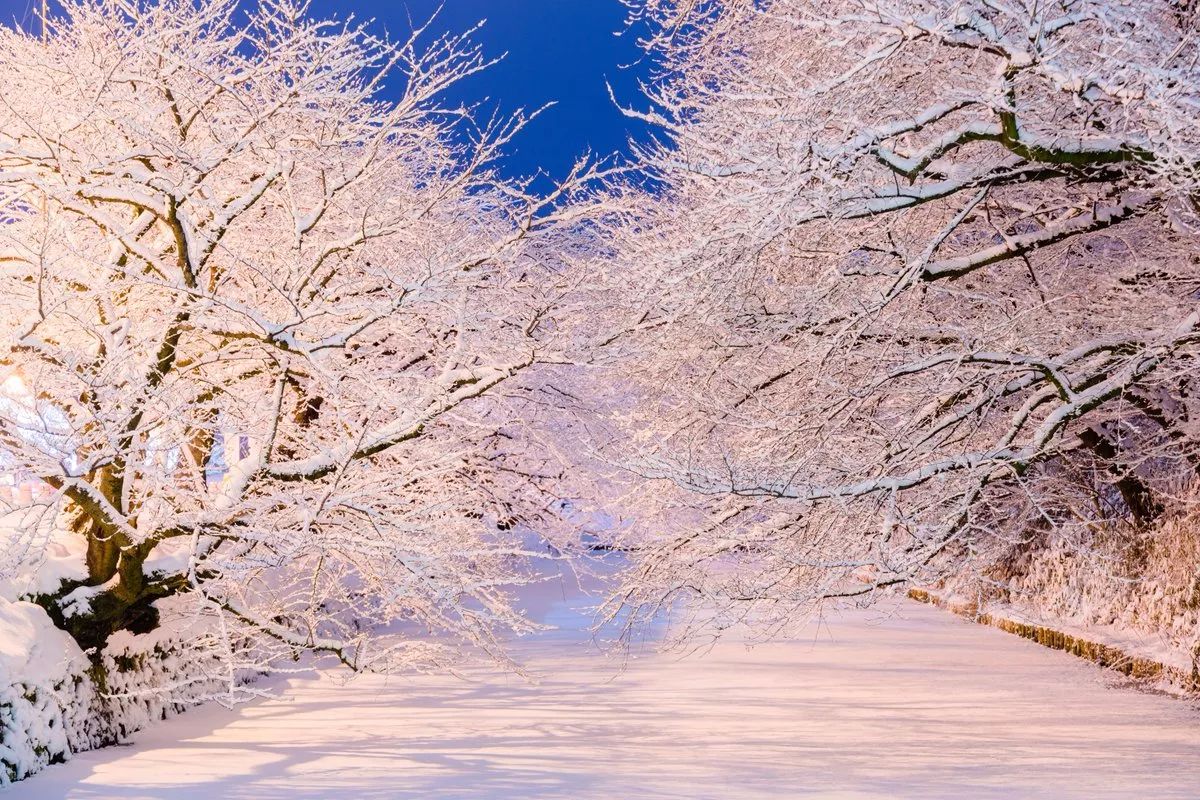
(14, 387)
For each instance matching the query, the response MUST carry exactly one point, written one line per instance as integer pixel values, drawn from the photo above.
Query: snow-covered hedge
(149, 677)
(55, 700)
(1146, 586)
(45, 693)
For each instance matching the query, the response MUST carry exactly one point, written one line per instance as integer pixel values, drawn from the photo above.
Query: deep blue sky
(560, 50)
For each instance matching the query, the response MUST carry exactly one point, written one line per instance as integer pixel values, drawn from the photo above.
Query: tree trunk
(125, 605)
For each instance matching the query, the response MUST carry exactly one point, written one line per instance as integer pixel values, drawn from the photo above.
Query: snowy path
(920, 704)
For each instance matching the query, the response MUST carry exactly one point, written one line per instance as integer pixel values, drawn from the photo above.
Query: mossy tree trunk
(114, 562)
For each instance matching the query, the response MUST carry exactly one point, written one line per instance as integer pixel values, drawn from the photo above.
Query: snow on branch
(272, 332)
(913, 264)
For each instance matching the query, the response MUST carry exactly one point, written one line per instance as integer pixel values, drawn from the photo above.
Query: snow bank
(1127, 589)
(39, 557)
(43, 686)
(55, 701)
(31, 645)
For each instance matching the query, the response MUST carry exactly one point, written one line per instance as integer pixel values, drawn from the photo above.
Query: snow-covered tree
(913, 261)
(265, 332)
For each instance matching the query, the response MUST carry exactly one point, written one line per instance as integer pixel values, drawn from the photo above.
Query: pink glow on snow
(916, 704)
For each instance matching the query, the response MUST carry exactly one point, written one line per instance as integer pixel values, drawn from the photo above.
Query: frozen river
(916, 704)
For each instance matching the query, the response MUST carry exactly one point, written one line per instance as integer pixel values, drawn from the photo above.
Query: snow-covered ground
(914, 703)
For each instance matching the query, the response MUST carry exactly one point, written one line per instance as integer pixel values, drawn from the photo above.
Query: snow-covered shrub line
(42, 691)
(55, 700)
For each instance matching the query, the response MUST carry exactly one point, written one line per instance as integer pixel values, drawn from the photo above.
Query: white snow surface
(39, 667)
(37, 556)
(169, 556)
(910, 702)
(31, 648)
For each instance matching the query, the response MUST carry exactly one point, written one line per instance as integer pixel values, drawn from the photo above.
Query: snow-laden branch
(260, 324)
(397, 432)
(911, 272)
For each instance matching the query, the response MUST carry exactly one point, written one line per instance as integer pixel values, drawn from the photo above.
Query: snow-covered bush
(45, 695)
(144, 678)
(56, 699)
